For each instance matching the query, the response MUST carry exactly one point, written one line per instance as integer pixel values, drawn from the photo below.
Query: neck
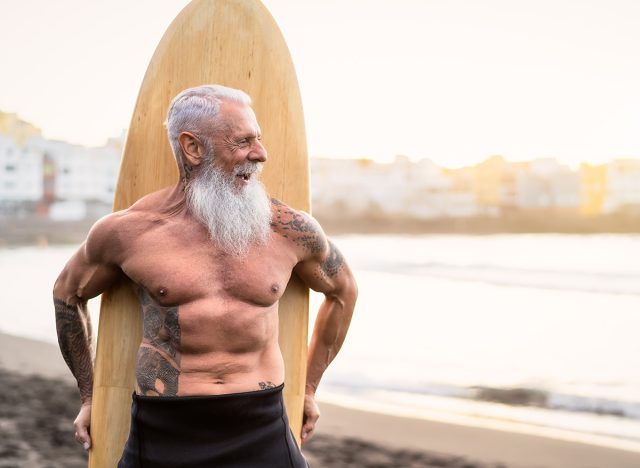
(175, 202)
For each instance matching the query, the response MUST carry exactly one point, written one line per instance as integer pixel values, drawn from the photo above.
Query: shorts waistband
(223, 396)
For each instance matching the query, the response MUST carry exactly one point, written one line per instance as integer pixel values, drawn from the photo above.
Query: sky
(454, 81)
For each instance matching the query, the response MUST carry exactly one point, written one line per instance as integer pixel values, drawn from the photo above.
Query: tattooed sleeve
(158, 366)
(334, 261)
(293, 225)
(305, 232)
(74, 337)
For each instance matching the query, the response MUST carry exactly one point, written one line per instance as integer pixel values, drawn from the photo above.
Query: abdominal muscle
(208, 348)
(220, 373)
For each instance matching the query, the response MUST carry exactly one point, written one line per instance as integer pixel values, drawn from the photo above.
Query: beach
(38, 403)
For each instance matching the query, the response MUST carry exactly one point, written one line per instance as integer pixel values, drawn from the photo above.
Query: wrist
(310, 389)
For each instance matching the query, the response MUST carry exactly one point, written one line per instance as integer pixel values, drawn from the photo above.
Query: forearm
(329, 333)
(74, 337)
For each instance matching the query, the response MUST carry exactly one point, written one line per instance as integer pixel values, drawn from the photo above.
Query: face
(237, 147)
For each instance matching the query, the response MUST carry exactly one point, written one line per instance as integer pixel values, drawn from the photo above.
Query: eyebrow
(242, 136)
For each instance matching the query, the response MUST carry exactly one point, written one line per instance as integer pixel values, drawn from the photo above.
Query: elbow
(61, 290)
(345, 297)
(351, 291)
(58, 287)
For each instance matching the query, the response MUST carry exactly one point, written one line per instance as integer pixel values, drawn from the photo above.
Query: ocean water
(532, 333)
(537, 333)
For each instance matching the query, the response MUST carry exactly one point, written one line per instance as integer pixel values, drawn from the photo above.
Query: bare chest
(175, 272)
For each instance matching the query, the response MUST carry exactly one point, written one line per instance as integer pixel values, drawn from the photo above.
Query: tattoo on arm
(74, 337)
(304, 232)
(158, 366)
(299, 229)
(334, 261)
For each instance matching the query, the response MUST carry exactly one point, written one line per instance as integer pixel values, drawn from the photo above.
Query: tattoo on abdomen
(74, 337)
(158, 366)
(334, 261)
(266, 385)
(155, 374)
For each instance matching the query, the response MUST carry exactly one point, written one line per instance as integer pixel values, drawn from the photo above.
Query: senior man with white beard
(211, 257)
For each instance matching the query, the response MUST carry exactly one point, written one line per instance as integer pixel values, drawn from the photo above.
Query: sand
(38, 403)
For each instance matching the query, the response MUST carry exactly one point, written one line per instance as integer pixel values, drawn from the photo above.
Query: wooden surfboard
(234, 43)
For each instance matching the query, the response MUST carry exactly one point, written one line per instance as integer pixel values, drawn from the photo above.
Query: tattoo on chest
(334, 261)
(157, 370)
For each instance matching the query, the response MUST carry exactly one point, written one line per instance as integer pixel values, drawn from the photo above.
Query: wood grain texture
(235, 43)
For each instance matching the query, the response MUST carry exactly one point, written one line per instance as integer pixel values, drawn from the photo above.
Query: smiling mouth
(246, 171)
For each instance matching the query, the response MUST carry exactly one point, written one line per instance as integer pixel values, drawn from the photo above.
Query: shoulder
(112, 234)
(320, 264)
(300, 228)
(103, 238)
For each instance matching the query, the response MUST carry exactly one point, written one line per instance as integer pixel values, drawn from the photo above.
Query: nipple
(162, 291)
(275, 288)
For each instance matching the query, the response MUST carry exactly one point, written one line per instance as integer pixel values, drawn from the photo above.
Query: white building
(80, 173)
(356, 187)
(547, 184)
(623, 186)
(20, 172)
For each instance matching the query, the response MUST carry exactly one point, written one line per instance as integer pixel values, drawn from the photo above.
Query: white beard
(236, 217)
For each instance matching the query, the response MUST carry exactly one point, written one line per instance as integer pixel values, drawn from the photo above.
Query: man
(210, 257)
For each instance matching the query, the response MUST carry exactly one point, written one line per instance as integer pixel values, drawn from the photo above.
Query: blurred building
(623, 187)
(21, 175)
(420, 190)
(14, 127)
(545, 183)
(79, 173)
(53, 178)
(495, 185)
(593, 189)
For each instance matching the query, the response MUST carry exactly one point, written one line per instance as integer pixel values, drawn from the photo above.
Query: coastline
(345, 436)
(33, 230)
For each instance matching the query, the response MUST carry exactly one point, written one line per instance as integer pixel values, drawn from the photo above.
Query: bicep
(326, 272)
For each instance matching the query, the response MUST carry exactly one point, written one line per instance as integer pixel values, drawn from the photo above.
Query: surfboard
(235, 43)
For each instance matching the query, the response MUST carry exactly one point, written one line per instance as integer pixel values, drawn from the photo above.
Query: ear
(192, 148)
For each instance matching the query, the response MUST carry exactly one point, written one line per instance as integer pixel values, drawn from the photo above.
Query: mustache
(248, 168)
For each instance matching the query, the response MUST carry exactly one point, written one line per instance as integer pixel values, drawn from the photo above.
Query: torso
(210, 319)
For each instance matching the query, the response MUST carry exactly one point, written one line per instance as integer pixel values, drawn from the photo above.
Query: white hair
(194, 110)
(236, 218)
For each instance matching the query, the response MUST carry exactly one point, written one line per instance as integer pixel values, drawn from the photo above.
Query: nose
(258, 153)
